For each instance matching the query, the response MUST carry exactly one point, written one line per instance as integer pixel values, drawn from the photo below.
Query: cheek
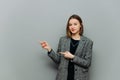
(69, 27)
(78, 27)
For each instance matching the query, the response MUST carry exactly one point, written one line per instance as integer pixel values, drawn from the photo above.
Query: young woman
(74, 52)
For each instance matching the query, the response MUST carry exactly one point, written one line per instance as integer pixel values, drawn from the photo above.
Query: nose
(72, 26)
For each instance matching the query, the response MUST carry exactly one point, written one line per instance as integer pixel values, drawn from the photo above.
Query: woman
(74, 52)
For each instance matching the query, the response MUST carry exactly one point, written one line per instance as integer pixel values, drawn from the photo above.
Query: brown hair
(74, 16)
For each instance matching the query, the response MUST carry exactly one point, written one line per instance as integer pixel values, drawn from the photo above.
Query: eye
(75, 23)
(70, 24)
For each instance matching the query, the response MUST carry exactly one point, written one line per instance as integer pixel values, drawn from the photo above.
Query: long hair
(74, 16)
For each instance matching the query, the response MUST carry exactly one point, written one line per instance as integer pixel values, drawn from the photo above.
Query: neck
(76, 37)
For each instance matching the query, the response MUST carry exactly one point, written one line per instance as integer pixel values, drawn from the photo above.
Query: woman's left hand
(67, 55)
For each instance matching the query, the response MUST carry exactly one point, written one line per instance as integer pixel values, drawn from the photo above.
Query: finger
(41, 42)
(62, 53)
(44, 42)
(67, 52)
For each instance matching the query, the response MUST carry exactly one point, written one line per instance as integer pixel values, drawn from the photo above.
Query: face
(74, 26)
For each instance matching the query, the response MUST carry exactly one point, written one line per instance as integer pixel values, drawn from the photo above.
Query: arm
(56, 56)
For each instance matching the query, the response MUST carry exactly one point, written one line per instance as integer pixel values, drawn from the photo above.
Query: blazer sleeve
(56, 56)
(85, 61)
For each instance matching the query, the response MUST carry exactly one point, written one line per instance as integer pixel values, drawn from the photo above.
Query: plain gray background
(23, 23)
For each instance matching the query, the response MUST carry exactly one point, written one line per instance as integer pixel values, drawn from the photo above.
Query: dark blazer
(82, 59)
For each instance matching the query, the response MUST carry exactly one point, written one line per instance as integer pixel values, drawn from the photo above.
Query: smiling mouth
(73, 30)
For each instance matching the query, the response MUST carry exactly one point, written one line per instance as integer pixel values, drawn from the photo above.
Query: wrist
(49, 49)
(72, 58)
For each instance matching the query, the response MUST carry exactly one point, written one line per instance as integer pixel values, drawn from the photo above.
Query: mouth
(72, 29)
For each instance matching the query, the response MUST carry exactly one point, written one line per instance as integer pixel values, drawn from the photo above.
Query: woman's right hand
(45, 45)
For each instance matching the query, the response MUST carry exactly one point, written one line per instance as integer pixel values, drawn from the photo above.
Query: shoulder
(86, 39)
(64, 38)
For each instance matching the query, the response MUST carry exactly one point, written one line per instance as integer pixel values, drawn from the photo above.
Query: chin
(73, 32)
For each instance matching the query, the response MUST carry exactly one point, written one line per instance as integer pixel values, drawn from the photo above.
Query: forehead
(73, 20)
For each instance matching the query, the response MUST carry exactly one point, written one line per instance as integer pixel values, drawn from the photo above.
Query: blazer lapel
(67, 46)
(80, 45)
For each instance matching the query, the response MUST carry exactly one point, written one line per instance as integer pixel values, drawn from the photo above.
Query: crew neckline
(74, 39)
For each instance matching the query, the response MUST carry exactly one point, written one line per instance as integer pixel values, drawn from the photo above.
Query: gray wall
(23, 23)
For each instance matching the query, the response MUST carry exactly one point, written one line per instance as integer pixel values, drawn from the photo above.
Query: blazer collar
(80, 45)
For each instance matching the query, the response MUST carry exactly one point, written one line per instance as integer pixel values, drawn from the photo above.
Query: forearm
(54, 56)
